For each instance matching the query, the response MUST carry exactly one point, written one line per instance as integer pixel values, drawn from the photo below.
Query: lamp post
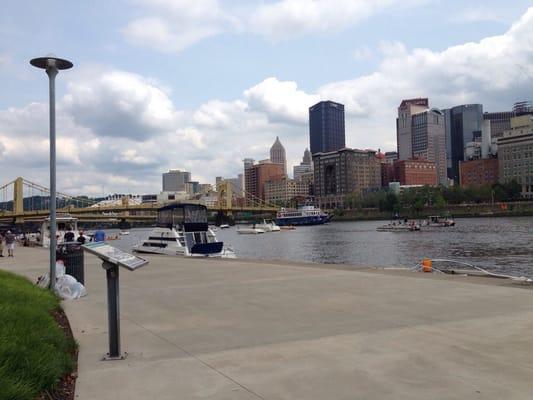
(52, 65)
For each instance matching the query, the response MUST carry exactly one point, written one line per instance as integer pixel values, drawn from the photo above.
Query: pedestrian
(99, 235)
(1, 245)
(10, 243)
(69, 235)
(81, 239)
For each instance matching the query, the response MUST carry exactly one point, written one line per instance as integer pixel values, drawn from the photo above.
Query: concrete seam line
(198, 359)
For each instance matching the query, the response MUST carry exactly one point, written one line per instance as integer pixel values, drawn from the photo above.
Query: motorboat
(64, 223)
(182, 230)
(224, 226)
(304, 215)
(124, 233)
(268, 226)
(250, 230)
(436, 221)
(399, 227)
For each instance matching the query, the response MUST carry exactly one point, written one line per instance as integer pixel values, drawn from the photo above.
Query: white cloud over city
(118, 130)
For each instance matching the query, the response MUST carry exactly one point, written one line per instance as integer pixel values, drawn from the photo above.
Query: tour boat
(182, 230)
(64, 222)
(305, 215)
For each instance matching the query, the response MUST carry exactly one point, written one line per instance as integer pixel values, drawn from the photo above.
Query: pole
(113, 311)
(51, 71)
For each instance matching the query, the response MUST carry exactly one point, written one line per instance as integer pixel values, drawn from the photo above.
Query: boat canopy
(193, 217)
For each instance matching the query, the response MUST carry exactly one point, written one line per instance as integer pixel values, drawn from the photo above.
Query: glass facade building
(326, 127)
(463, 123)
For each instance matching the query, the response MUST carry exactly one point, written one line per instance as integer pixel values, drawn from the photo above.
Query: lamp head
(51, 61)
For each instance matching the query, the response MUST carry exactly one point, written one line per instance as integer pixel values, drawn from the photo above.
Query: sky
(200, 85)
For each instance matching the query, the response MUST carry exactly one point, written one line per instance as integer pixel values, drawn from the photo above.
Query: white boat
(124, 233)
(436, 221)
(182, 230)
(224, 226)
(399, 227)
(250, 231)
(64, 223)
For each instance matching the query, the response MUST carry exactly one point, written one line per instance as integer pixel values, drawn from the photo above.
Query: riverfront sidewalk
(208, 329)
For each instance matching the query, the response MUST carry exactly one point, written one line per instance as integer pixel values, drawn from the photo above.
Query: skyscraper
(277, 154)
(326, 127)
(175, 180)
(404, 137)
(463, 124)
(304, 167)
(307, 159)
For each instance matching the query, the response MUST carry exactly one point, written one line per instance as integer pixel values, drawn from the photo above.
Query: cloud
(173, 25)
(120, 130)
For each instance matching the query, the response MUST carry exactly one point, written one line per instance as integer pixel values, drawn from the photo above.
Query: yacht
(304, 215)
(182, 230)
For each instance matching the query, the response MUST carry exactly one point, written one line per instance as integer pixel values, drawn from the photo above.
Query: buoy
(426, 265)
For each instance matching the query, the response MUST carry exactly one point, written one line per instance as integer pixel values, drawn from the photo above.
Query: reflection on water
(497, 244)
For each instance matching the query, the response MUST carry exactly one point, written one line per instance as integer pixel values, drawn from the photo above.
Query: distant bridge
(24, 201)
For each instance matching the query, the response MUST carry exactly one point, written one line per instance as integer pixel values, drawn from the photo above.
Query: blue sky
(200, 85)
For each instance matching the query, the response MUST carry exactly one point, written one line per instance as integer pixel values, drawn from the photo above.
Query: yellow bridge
(22, 200)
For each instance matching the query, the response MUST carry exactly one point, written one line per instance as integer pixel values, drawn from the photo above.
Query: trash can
(72, 256)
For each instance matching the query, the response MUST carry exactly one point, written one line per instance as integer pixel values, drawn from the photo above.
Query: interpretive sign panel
(115, 256)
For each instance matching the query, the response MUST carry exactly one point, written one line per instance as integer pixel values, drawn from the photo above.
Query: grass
(34, 352)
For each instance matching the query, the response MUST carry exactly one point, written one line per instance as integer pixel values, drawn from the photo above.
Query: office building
(343, 172)
(515, 154)
(463, 124)
(499, 122)
(304, 167)
(326, 127)
(415, 172)
(391, 156)
(175, 180)
(404, 138)
(478, 172)
(255, 177)
(283, 191)
(277, 154)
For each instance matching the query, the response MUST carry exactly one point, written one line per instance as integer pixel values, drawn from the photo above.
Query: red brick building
(415, 172)
(478, 172)
(255, 177)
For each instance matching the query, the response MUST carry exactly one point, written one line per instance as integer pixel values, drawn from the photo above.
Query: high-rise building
(463, 123)
(282, 191)
(499, 122)
(304, 167)
(326, 127)
(175, 180)
(342, 172)
(255, 177)
(277, 154)
(429, 140)
(404, 134)
(515, 154)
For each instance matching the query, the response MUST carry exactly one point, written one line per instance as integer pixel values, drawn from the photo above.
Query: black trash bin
(72, 256)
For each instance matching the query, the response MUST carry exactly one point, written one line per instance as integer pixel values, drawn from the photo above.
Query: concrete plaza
(233, 329)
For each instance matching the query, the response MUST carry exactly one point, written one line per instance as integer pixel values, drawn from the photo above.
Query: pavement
(234, 329)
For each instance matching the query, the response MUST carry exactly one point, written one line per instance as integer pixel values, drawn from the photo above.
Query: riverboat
(182, 230)
(304, 215)
(399, 227)
(436, 221)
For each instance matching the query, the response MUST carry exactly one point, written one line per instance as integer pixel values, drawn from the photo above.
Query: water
(497, 244)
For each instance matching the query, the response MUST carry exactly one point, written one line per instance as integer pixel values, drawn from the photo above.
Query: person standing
(10, 243)
(1, 245)
(69, 236)
(81, 239)
(99, 235)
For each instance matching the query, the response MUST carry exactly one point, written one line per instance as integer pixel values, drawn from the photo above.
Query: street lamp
(52, 65)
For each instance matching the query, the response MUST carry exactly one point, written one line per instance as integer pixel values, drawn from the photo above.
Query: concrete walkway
(207, 329)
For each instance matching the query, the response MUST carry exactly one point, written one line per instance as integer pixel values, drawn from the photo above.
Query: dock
(246, 330)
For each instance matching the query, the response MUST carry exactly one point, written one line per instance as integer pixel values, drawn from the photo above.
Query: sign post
(113, 258)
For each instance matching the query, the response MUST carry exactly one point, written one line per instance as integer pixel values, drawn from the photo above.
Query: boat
(399, 227)
(224, 226)
(268, 226)
(182, 230)
(287, 228)
(304, 215)
(250, 231)
(436, 221)
(64, 222)
(124, 233)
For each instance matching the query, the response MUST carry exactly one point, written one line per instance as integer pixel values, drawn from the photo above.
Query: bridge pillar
(18, 199)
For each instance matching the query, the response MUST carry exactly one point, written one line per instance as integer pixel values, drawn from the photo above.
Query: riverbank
(515, 209)
(237, 329)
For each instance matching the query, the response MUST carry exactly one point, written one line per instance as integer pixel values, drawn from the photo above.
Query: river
(496, 244)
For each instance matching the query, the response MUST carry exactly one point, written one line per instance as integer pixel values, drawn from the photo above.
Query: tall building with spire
(307, 160)
(305, 166)
(277, 154)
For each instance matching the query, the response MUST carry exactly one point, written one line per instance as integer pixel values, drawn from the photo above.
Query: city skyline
(121, 124)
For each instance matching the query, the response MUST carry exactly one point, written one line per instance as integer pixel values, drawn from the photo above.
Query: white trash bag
(67, 287)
